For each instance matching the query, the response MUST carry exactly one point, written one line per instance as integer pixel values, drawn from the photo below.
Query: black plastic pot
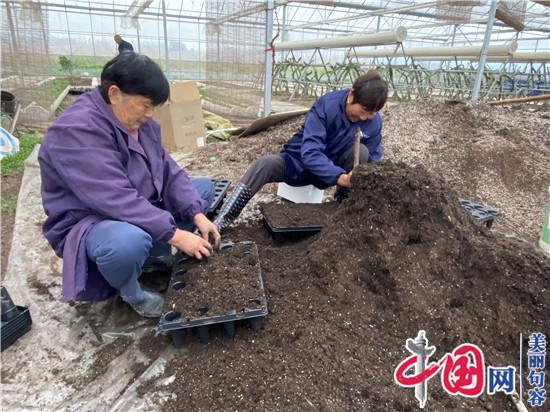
(8, 103)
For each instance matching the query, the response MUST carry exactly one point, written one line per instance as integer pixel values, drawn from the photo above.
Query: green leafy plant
(66, 63)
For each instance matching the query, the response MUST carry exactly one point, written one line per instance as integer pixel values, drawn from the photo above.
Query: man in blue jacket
(322, 152)
(123, 45)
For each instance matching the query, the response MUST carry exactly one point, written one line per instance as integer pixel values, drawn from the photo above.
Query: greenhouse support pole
(268, 74)
(283, 26)
(166, 60)
(484, 49)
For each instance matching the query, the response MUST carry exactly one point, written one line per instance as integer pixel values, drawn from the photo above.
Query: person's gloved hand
(344, 179)
(190, 244)
(207, 229)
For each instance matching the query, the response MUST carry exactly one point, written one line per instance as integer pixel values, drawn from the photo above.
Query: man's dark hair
(370, 91)
(135, 74)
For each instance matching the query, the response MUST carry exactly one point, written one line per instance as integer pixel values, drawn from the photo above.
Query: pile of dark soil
(227, 281)
(298, 214)
(398, 256)
(493, 155)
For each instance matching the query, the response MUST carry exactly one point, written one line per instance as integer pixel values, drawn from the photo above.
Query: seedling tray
(177, 324)
(480, 212)
(220, 190)
(289, 222)
(14, 328)
(283, 234)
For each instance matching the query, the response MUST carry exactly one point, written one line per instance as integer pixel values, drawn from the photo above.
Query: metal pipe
(539, 57)
(499, 50)
(377, 12)
(483, 59)
(268, 67)
(166, 56)
(373, 39)
(521, 100)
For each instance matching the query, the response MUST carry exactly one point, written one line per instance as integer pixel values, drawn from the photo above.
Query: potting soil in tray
(226, 287)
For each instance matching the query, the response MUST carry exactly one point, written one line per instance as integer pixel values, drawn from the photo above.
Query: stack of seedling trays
(292, 222)
(220, 190)
(482, 213)
(16, 320)
(223, 291)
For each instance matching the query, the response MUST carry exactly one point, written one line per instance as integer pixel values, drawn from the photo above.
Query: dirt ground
(10, 189)
(398, 256)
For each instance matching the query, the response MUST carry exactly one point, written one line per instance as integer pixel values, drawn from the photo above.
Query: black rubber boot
(341, 193)
(233, 206)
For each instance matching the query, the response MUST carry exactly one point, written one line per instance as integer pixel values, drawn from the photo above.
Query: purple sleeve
(314, 144)
(180, 196)
(93, 171)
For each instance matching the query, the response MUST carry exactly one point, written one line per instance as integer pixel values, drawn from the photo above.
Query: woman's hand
(344, 179)
(190, 244)
(207, 229)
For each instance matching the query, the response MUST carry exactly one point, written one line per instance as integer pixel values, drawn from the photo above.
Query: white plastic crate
(302, 194)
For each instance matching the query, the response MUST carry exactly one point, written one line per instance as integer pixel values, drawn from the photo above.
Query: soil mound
(403, 252)
(398, 256)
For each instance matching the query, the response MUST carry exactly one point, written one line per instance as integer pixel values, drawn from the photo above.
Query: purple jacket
(92, 170)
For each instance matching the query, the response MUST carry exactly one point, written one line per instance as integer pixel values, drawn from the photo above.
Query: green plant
(8, 205)
(16, 161)
(58, 86)
(66, 63)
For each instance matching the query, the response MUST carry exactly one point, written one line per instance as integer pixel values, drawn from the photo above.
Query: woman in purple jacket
(111, 191)
(322, 152)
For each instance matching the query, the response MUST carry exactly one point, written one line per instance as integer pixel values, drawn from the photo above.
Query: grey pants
(271, 169)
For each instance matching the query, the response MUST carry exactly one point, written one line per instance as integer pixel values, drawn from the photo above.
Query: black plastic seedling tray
(16, 327)
(15, 320)
(283, 234)
(172, 324)
(480, 212)
(220, 190)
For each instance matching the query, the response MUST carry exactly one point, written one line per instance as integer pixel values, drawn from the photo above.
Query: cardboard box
(180, 118)
(301, 194)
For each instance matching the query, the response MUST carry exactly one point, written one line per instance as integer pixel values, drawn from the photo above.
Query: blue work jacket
(325, 135)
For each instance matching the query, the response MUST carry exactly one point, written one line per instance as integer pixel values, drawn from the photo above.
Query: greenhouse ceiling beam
(378, 11)
(477, 21)
(341, 4)
(243, 13)
(192, 18)
(518, 57)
